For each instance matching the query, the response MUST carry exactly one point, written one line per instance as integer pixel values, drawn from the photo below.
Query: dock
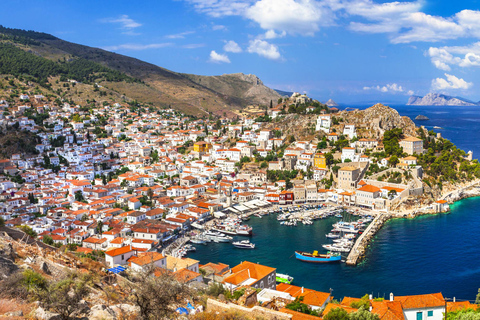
(358, 250)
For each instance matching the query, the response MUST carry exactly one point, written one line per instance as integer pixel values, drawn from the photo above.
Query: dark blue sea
(428, 254)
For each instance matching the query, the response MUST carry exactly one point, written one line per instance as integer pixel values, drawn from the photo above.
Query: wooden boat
(315, 257)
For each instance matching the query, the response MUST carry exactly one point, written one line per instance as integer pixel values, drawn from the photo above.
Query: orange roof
(369, 188)
(441, 201)
(185, 275)
(421, 301)
(388, 310)
(460, 305)
(248, 270)
(119, 251)
(146, 258)
(299, 315)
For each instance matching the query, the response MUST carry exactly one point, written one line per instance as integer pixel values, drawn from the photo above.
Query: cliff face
(243, 88)
(435, 99)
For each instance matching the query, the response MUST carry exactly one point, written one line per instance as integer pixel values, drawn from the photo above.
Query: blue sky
(351, 51)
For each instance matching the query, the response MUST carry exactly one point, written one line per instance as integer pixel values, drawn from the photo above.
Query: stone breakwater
(358, 251)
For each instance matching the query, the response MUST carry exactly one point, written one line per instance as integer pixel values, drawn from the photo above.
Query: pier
(358, 250)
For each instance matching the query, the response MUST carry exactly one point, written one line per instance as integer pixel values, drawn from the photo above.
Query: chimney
(370, 308)
(391, 296)
(454, 299)
(370, 297)
(302, 289)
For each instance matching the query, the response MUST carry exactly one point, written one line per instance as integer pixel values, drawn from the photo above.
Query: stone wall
(255, 312)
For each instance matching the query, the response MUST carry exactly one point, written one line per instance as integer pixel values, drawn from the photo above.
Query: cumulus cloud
(137, 47)
(218, 58)
(295, 17)
(451, 82)
(232, 46)
(462, 56)
(125, 23)
(264, 49)
(271, 34)
(403, 22)
(390, 88)
(406, 23)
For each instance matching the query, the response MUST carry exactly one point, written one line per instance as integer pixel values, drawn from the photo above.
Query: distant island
(437, 99)
(331, 103)
(421, 117)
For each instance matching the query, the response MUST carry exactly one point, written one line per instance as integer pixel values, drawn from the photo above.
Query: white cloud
(193, 45)
(403, 22)
(451, 82)
(133, 46)
(390, 88)
(125, 23)
(264, 49)
(179, 35)
(232, 46)
(462, 56)
(218, 58)
(406, 23)
(302, 17)
(271, 34)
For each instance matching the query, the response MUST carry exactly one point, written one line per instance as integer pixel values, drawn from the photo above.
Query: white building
(323, 123)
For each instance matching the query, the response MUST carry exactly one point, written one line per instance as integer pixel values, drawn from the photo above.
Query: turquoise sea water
(438, 253)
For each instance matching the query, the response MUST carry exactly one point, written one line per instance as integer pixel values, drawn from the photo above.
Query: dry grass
(14, 305)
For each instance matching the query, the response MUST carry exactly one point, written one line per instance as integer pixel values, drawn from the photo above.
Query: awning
(219, 214)
(117, 270)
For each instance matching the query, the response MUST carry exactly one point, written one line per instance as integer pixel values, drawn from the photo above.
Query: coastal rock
(421, 117)
(436, 99)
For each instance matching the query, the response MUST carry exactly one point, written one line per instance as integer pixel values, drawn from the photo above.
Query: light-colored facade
(412, 145)
(347, 178)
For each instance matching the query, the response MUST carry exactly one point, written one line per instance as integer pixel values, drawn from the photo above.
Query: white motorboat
(244, 244)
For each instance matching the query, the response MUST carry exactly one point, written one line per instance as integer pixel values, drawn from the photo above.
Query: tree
(336, 314)
(28, 230)
(64, 296)
(79, 196)
(2, 222)
(100, 227)
(48, 240)
(157, 295)
(393, 161)
(263, 165)
(392, 194)
(363, 314)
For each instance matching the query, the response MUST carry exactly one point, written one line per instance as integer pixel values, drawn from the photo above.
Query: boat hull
(321, 258)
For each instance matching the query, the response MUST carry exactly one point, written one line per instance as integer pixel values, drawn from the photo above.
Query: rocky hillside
(238, 86)
(374, 121)
(159, 86)
(436, 99)
(370, 123)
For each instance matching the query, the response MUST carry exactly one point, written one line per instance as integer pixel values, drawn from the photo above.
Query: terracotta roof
(411, 139)
(421, 301)
(119, 251)
(248, 270)
(460, 305)
(369, 188)
(298, 315)
(147, 258)
(388, 310)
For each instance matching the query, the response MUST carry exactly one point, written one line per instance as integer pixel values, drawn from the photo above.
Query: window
(430, 313)
(419, 315)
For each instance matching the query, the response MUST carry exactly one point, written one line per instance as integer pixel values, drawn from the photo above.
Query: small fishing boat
(244, 244)
(284, 278)
(315, 257)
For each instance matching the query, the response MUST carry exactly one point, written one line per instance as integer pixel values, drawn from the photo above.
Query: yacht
(244, 244)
